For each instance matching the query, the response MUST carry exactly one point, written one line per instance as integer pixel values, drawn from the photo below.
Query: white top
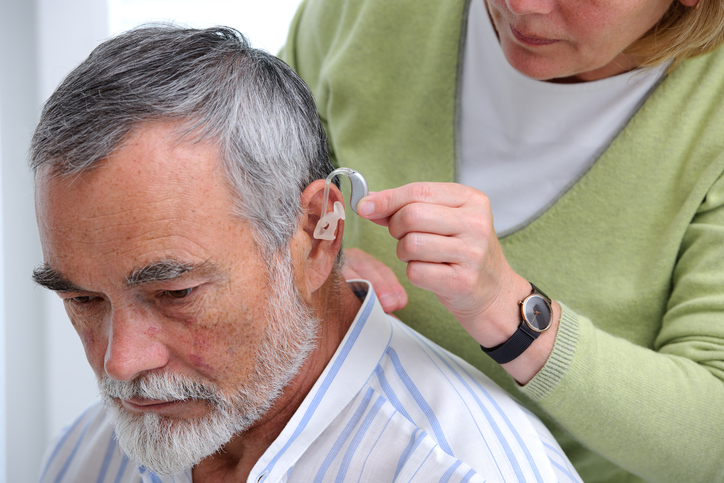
(524, 142)
(390, 405)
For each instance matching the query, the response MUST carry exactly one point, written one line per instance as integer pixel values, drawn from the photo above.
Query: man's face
(181, 318)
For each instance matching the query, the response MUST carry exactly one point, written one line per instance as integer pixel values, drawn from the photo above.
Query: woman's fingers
(390, 292)
(460, 273)
(427, 247)
(451, 283)
(349, 273)
(427, 218)
(383, 204)
(446, 236)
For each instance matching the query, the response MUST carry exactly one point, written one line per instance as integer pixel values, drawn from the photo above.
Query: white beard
(168, 446)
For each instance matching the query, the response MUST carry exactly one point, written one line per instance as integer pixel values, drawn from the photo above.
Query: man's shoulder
(427, 374)
(431, 360)
(86, 450)
(465, 413)
(424, 414)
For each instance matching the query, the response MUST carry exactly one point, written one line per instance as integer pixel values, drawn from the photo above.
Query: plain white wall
(44, 372)
(24, 357)
(264, 22)
(3, 408)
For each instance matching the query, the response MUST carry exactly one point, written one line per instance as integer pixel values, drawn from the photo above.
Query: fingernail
(365, 208)
(387, 300)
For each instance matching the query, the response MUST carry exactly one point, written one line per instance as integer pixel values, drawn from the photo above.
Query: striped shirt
(389, 406)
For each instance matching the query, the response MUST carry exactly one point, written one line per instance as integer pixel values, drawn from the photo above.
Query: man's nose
(527, 7)
(135, 346)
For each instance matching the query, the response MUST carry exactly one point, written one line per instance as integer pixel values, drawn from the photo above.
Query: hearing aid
(327, 224)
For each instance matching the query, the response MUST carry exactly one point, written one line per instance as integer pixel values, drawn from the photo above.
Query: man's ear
(317, 256)
(689, 3)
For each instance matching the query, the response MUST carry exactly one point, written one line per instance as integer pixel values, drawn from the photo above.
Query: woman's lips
(534, 41)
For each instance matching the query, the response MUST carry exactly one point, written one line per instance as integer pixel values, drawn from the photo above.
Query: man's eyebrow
(48, 277)
(165, 270)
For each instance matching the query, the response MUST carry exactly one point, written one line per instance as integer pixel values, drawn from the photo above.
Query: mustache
(161, 387)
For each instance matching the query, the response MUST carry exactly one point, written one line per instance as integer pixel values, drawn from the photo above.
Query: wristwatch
(537, 315)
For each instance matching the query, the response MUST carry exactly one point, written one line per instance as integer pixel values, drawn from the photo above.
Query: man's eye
(82, 300)
(179, 294)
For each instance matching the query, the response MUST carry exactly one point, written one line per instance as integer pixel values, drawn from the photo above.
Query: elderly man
(179, 179)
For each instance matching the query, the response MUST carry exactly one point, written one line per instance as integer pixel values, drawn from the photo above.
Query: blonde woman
(563, 154)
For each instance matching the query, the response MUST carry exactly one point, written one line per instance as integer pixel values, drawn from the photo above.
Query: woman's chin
(554, 64)
(535, 65)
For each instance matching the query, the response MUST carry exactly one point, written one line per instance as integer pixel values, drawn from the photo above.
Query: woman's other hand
(359, 264)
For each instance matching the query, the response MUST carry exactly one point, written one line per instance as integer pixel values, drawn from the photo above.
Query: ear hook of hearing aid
(327, 224)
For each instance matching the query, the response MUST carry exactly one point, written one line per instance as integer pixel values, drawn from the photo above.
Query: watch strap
(539, 292)
(513, 347)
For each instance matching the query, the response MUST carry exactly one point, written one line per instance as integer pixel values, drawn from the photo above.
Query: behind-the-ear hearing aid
(327, 224)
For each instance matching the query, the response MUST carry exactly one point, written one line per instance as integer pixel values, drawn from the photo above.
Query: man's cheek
(94, 348)
(200, 363)
(201, 353)
(219, 331)
(87, 337)
(221, 350)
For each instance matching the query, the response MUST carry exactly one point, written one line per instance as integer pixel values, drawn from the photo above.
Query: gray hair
(252, 105)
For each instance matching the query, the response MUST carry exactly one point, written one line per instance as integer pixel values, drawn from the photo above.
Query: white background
(45, 381)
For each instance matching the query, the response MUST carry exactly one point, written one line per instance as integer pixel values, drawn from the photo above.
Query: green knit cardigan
(633, 250)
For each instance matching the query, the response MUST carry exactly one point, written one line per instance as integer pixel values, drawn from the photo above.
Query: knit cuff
(560, 359)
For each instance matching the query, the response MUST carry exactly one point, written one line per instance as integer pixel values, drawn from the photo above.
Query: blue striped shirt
(389, 406)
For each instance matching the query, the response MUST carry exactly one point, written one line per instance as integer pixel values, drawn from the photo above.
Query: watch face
(537, 312)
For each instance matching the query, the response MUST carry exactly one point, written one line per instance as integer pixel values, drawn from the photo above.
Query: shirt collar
(346, 373)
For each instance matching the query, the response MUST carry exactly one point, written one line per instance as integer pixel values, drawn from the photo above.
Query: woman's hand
(359, 264)
(445, 234)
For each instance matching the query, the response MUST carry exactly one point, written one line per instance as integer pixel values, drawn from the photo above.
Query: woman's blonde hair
(683, 32)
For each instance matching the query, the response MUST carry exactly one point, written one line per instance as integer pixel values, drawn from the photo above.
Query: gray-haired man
(178, 183)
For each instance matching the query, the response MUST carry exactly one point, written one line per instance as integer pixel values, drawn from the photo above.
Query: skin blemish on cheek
(153, 330)
(200, 341)
(87, 337)
(199, 362)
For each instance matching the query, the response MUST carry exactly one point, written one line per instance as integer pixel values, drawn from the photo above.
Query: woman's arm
(445, 235)
(657, 412)
(654, 411)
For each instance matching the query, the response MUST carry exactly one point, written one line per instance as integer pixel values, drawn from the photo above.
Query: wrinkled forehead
(154, 194)
(154, 158)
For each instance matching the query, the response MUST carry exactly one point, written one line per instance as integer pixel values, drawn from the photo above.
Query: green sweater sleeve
(656, 412)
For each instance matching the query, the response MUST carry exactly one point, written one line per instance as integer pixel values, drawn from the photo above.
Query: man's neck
(337, 307)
